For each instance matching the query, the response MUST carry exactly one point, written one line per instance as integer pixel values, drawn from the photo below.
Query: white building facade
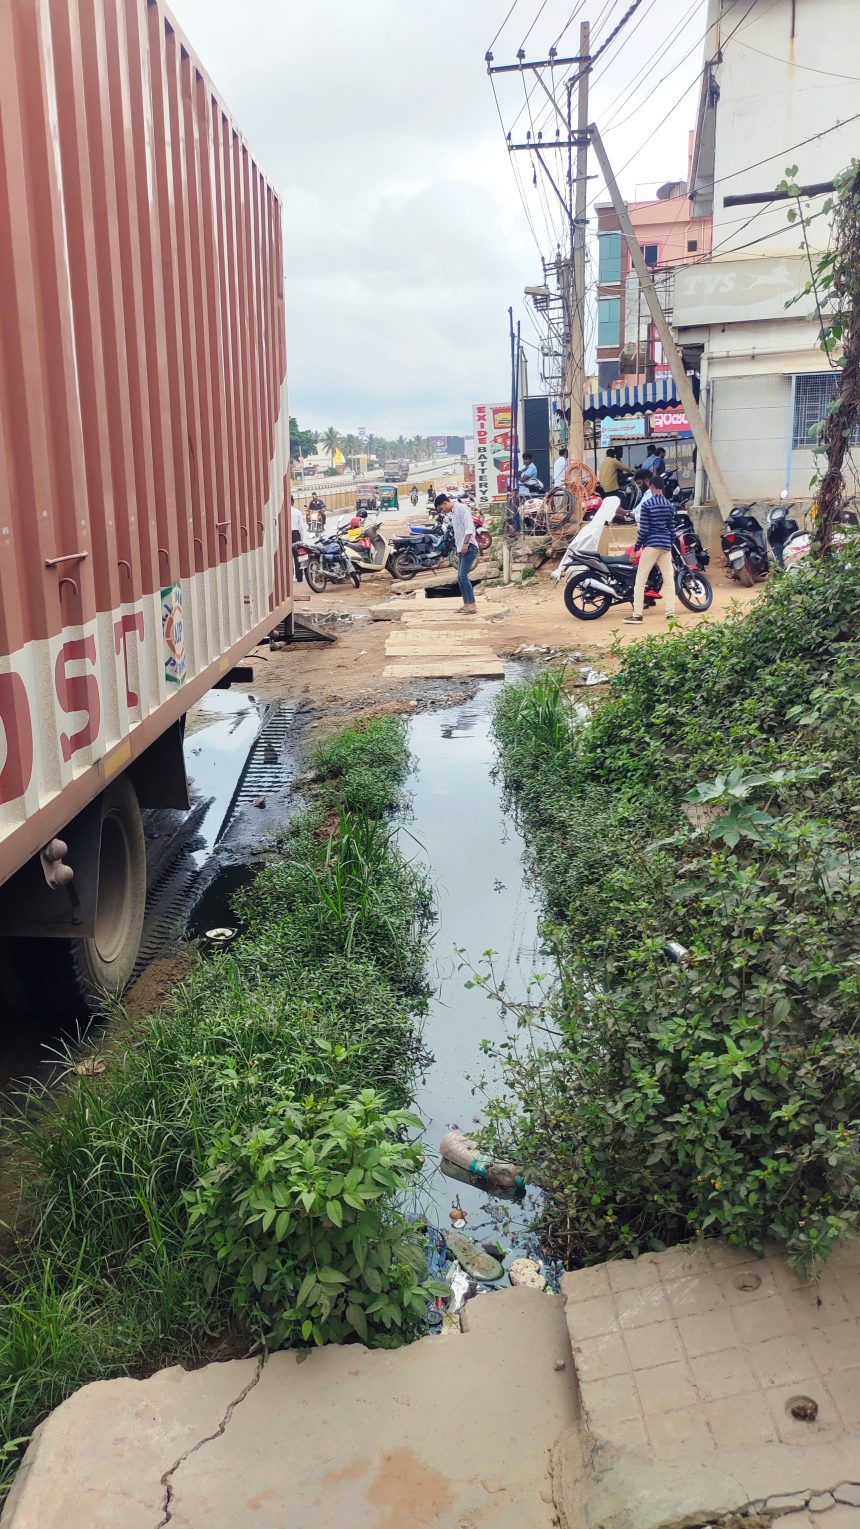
(780, 83)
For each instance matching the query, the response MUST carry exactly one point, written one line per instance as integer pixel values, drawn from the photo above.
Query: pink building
(669, 235)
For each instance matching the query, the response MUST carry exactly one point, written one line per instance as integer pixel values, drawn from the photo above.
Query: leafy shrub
(720, 1094)
(298, 1215)
(314, 1003)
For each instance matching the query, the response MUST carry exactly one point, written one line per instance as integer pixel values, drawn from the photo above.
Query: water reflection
(475, 856)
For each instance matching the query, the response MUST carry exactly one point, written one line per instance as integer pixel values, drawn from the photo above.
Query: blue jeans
(466, 564)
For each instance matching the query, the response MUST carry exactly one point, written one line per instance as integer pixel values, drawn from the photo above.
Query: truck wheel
(105, 962)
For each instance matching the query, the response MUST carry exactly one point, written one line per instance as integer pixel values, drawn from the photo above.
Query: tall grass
(321, 991)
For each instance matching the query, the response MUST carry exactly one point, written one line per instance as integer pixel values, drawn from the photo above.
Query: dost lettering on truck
(78, 696)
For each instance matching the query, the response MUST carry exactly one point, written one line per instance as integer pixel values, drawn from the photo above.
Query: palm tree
(331, 442)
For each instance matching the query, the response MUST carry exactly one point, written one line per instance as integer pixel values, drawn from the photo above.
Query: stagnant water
(473, 853)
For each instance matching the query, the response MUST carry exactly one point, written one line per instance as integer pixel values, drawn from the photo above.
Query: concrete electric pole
(712, 467)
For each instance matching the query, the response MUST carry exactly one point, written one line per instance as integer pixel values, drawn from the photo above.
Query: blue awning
(615, 403)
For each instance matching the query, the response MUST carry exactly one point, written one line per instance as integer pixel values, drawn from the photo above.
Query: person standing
(299, 533)
(559, 470)
(654, 543)
(466, 544)
(611, 474)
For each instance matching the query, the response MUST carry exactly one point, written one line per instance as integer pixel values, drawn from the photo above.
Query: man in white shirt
(560, 469)
(299, 534)
(466, 544)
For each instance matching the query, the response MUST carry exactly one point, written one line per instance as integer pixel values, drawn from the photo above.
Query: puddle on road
(475, 856)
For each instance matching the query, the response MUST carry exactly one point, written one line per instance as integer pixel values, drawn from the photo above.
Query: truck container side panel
(144, 444)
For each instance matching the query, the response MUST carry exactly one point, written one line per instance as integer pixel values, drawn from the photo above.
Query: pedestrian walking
(466, 544)
(654, 544)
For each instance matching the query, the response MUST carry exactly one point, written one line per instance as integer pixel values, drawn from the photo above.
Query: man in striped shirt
(654, 543)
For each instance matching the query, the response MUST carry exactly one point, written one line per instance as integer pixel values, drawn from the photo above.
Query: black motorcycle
(327, 563)
(419, 552)
(744, 547)
(693, 542)
(596, 583)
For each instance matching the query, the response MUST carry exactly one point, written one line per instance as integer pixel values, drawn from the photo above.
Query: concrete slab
(712, 1382)
(453, 1432)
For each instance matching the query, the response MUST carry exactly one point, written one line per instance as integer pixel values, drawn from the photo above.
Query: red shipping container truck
(144, 448)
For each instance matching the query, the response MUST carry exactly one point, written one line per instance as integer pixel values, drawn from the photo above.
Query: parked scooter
(781, 527)
(327, 563)
(744, 547)
(368, 550)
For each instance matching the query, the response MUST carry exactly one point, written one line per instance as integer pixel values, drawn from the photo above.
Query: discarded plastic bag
(459, 1281)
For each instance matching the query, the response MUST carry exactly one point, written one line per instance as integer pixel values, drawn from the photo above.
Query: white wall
(771, 98)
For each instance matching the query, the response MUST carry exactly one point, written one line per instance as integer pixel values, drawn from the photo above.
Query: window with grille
(813, 393)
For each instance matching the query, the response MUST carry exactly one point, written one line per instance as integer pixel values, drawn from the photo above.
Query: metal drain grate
(270, 766)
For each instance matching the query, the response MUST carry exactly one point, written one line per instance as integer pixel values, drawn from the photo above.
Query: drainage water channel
(474, 856)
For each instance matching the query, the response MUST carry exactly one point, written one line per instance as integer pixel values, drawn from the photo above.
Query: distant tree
(303, 443)
(331, 441)
(351, 445)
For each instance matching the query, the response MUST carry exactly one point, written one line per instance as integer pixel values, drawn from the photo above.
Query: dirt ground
(528, 618)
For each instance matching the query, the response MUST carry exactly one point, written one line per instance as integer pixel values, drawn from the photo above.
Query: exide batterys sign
(492, 432)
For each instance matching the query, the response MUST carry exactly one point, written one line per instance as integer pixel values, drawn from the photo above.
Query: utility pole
(576, 432)
(570, 271)
(712, 467)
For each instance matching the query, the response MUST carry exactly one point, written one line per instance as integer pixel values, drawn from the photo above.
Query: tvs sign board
(670, 422)
(492, 432)
(439, 443)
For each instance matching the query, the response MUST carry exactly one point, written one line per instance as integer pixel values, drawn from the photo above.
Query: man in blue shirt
(654, 544)
(529, 480)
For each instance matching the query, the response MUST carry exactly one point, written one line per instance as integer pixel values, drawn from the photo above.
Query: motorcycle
(781, 527)
(595, 583)
(327, 563)
(482, 536)
(420, 552)
(744, 547)
(685, 528)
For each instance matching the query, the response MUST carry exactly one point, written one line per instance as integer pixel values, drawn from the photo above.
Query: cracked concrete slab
(453, 1431)
(99, 1459)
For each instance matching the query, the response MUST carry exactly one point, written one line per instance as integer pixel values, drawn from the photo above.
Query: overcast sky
(405, 240)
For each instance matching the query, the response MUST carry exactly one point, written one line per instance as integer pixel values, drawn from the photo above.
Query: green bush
(317, 1001)
(297, 1215)
(718, 1094)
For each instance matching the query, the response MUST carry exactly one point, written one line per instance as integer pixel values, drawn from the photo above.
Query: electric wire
(503, 25)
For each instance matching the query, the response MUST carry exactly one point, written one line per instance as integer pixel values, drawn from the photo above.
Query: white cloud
(404, 238)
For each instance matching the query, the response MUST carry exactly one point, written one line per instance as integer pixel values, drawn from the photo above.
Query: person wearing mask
(611, 474)
(654, 543)
(466, 545)
(559, 470)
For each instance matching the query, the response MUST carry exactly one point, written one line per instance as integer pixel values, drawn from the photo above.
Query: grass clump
(712, 801)
(254, 1130)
